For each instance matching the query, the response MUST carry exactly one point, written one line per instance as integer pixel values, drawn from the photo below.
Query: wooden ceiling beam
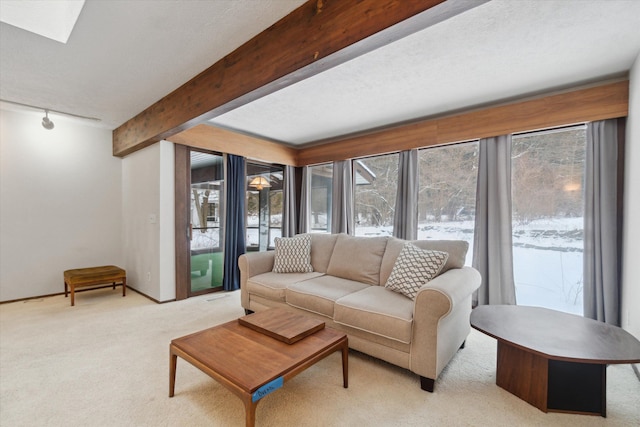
(317, 36)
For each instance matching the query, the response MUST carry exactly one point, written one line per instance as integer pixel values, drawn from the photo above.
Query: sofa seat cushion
(273, 285)
(320, 294)
(377, 310)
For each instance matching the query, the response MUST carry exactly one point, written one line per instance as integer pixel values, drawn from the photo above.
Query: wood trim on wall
(313, 38)
(601, 102)
(224, 141)
(604, 101)
(182, 220)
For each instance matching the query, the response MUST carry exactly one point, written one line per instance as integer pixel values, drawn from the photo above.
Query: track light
(46, 123)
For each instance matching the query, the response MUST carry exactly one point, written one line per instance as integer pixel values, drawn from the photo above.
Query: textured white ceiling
(497, 51)
(123, 56)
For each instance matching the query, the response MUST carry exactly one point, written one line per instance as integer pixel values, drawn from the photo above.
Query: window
(275, 216)
(376, 185)
(264, 205)
(320, 198)
(447, 193)
(547, 208)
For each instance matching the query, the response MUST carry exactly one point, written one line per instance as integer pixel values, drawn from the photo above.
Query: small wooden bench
(81, 277)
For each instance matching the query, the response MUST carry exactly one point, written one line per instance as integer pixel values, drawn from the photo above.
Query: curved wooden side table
(555, 361)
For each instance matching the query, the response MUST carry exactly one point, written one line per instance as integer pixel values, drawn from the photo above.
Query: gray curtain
(405, 218)
(492, 250)
(305, 202)
(289, 202)
(601, 285)
(342, 204)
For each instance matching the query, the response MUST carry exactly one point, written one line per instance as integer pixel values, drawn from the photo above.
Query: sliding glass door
(200, 210)
(206, 221)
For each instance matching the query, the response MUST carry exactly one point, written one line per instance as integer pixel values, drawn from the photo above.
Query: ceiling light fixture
(259, 182)
(46, 122)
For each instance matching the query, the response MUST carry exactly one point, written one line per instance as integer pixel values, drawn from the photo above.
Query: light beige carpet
(105, 362)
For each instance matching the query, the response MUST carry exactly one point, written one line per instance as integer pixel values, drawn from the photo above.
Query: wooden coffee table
(555, 361)
(253, 364)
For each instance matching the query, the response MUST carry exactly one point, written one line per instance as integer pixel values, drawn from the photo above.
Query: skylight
(53, 19)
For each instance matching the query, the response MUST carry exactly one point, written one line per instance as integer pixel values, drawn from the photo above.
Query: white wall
(148, 220)
(66, 202)
(167, 279)
(631, 242)
(60, 202)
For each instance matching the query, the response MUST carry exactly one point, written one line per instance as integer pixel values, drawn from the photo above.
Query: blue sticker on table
(267, 388)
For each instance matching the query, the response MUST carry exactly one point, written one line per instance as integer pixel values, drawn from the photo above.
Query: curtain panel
(405, 218)
(305, 201)
(492, 246)
(602, 225)
(289, 227)
(342, 204)
(234, 242)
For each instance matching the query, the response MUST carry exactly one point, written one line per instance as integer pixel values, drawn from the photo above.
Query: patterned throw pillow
(293, 254)
(413, 268)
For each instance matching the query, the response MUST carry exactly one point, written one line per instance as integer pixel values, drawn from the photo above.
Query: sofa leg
(427, 384)
(247, 311)
(463, 343)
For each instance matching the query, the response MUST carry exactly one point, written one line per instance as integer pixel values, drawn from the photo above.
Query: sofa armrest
(251, 264)
(441, 319)
(254, 263)
(456, 285)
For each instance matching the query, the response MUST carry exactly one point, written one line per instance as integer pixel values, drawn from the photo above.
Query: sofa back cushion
(321, 249)
(457, 250)
(358, 258)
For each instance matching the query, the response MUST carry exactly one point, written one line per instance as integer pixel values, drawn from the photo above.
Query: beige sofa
(346, 290)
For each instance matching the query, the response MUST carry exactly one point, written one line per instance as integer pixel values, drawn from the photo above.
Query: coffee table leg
(173, 358)
(250, 411)
(345, 364)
